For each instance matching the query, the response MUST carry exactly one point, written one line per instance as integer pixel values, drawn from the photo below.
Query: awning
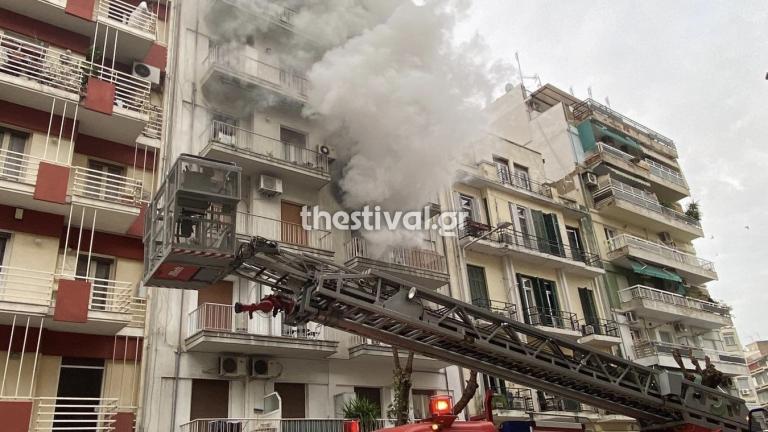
(653, 271)
(605, 131)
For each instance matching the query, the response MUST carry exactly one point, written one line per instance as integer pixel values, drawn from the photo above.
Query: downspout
(177, 366)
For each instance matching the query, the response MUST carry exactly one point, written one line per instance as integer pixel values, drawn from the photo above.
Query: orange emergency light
(441, 405)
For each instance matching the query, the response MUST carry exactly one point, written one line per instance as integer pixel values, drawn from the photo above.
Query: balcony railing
(266, 147)
(411, 257)
(508, 310)
(512, 399)
(647, 348)
(108, 295)
(104, 186)
(279, 425)
(556, 403)
(512, 237)
(18, 285)
(138, 309)
(18, 167)
(600, 326)
(667, 252)
(666, 173)
(605, 148)
(612, 188)
(222, 318)
(585, 109)
(541, 316)
(647, 293)
(61, 71)
(234, 58)
(74, 414)
(522, 181)
(154, 127)
(284, 232)
(120, 12)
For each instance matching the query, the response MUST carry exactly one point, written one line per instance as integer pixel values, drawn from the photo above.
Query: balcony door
(478, 288)
(98, 271)
(295, 146)
(210, 400)
(105, 181)
(502, 169)
(293, 398)
(539, 300)
(589, 307)
(77, 396)
(13, 146)
(215, 307)
(291, 230)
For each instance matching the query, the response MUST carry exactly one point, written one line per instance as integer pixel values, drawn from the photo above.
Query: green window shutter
(540, 227)
(553, 235)
(588, 305)
(478, 290)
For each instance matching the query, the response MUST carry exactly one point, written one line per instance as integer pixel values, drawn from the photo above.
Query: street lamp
(500, 226)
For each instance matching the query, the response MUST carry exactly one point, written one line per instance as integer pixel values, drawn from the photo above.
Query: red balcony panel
(157, 56)
(137, 227)
(99, 95)
(81, 8)
(51, 183)
(72, 301)
(124, 422)
(15, 415)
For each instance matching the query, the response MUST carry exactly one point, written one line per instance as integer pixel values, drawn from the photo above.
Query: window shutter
(552, 227)
(540, 228)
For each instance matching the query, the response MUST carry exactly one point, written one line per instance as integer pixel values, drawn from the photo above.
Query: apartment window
(522, 215)
(106, 181)
(373, 394)
(478, 288)
(467, 207)
(293, 137)
(498, 385)
(420, 399)
(574, 240)
(729, 340)
(610, 233)
(13, 146)
(539, 301)
(635, 334)
(665, 337)
(522, 177)
(502, 169)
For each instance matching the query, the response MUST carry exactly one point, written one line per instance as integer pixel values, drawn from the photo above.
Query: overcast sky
(692, 70)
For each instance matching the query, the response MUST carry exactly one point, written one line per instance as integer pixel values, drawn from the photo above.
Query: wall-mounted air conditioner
(231, 366)
(263, 368)
(588, 329)
(270, 186)
(590, 179)
(327, 150)
(147, 72)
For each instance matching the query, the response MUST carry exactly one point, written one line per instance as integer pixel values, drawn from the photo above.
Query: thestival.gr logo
(374, 219)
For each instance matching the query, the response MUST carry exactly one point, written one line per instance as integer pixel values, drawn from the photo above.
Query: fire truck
(190, 243)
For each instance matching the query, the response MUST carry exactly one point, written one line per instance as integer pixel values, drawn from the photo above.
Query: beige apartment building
(757, 358)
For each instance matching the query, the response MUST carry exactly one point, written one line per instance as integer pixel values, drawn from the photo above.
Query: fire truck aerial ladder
(190, 243)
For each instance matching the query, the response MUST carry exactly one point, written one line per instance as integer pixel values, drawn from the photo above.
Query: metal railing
(512, 399)
(647, 293)
(74, 414)
(584, 109)
(503, 308)
(41, 66)
(18, 167)
(541, 316)
(266, 147)
(600, 326)
(104, 186)
(623, 240)
(356, 340)
(606, 148)
(278, 425)
(411, 257)
(154, 127)
(557, 403)
(120, 12)
(666, 173)
(138, 309)
(234, 58)
(222, 318)
(107, 295)
(512, 237)
(609, 187)
(18, 285)
(285, 232)
(648, 348)
(519, 181)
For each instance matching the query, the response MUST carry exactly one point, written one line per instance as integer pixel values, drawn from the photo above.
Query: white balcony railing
(120, 12)
(647, 348)
(660, 250)
(411, 257)
(236, 59)
(639, 197)
(112, 188)
(279, 425)
(648, 293)
(107, 295)
(602, 147)
(74, 414)
(18, 167)
(355, 340)
(222, 318)
(154, 127)
(266, 147)
(49, 70)
(138, 309)
(285, 232)
(666, 173)
(18, 285)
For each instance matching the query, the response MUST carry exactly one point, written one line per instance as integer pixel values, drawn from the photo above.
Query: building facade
(81, 115)
(757, 358)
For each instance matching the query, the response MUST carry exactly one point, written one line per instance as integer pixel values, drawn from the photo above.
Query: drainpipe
(177, 366)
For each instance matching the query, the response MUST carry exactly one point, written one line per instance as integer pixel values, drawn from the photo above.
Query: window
(523, 223)
(467, 207)
(293, 137)
(540, 301)
(478, 289)
(420, 400)
(498, 385)
(589, 308)
(574, 240)
(635, 334)
(106, 181)
(665, 336)
(225, 129)
(13, 146)
(4, 240)
(373, 394)
(610, 233)
(730, 340)
(502, 169)
(522, 178)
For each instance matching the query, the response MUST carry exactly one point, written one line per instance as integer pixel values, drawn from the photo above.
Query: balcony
(18, 176)
(528, 248)
(653, 353)
(420, 266)
(552, 320)
(647, 136)
(508, 310)
(276, 424)
(511, 399)
(153, 131)
(216, 328)
(108, 307)
(138, 310)
(137, 25)
(235, 70)
(30, 75)
(374, 353)
(288, 234)
(272, 14)
(624, 246)
(25, 291)
(605, 153)
(118, 198)
(600, 333)
(550, 404)
(501, 178)
(74, 414)
(257, 153)
(669, 182)
(625, 202)
(665, 306)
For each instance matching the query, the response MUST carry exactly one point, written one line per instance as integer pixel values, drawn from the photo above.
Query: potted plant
(363, 410)
(693, 211)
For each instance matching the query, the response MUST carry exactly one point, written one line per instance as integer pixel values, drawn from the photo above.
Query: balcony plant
(364, 410)
(693, 211)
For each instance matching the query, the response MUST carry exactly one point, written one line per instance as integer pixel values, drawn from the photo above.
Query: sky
(692, 70)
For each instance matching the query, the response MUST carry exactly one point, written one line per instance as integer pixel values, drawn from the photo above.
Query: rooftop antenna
(535, 77)
(589, 92)
(570, 89)
(608, 102)
(520, 71)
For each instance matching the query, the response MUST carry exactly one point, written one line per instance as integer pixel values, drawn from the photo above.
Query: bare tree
(401, 387)
(467, 393)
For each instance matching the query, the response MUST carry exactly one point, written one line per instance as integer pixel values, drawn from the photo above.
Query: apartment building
(239, 99)
(80, 133)
(628, 176)
(757, 362)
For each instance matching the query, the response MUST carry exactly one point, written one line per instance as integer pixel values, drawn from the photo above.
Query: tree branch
(467, 394)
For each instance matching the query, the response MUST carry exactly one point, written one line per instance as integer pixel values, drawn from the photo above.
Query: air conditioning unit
(588, 329)
(147, 72)
(270, 186)
(665, 237)
(231, 366)
(590, 179)
(263, 368)
(745, 392)
(327, 150)
(631, 317)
